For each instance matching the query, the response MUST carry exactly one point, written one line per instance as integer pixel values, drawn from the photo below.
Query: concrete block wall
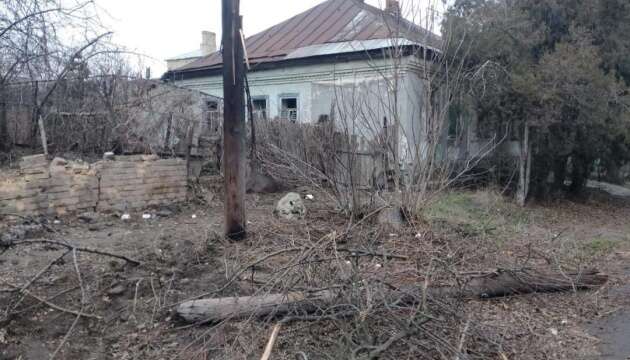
(60, 187)
(132, 183)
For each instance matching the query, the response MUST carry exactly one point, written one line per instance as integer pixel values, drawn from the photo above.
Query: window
(455, 114)
(259, 105)
(213, 115)
(212, 105)
(289, 108)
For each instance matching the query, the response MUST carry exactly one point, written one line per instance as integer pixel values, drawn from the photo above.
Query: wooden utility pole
(233, 121)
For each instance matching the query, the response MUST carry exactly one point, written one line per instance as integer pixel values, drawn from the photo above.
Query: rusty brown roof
(332, 21)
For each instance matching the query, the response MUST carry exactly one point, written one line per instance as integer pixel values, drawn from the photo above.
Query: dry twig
(272, 340)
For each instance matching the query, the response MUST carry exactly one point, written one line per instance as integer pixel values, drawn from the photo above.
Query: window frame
(265, 98)
(287, 96)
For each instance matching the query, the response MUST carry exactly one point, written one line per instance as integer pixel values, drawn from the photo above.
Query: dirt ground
(182, 257)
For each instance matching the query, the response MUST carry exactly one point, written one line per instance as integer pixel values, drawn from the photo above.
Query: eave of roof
(374, 54)
(189, 55)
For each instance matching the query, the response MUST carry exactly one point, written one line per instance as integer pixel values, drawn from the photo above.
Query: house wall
(303, 81)
(412, 101)
(358, 94)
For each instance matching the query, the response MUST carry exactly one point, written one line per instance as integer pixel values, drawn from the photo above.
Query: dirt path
(614, 329)
(612, 189)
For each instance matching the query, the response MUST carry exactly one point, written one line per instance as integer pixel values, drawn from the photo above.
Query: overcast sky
(165, 28)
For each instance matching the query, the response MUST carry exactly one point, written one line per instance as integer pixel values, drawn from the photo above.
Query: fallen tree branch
(83, 302)
(517, 282)
(29, 308)
(29, 219)
(54, 306)
(490, 285)
(23, 289)
(351, 254)
(376, 351)
(75, 248)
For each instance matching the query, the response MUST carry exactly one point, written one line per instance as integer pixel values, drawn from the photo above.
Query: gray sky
(164, 28)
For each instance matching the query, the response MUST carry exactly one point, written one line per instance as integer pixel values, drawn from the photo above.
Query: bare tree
(395, 136)
(45, 41)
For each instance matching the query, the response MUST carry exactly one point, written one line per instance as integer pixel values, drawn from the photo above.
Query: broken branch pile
(489, 285)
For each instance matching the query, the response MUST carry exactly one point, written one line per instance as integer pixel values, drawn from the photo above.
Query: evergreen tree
(562, 83)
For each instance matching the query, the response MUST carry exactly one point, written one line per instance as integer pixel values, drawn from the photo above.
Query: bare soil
(182, 257)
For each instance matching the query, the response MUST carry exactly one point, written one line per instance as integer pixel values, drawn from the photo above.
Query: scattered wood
(271, 342)
(74, 248)
(213, 310)
(54, 306)
(517, 282)
(489, 285)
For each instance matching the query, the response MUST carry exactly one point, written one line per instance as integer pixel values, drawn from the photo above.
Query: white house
(341, 59)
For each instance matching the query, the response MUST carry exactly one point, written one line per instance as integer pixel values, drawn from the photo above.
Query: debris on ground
(132, 298)
(391, 216)
(20, 232)
(88, 217)
(290, 207)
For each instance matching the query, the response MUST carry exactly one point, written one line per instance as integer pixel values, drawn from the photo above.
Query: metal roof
(350, 24)
(189, 55)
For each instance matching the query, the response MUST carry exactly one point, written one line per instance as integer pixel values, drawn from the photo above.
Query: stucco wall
(302, 80)
(360, 92)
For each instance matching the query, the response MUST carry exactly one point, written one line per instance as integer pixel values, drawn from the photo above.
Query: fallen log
(484, 286)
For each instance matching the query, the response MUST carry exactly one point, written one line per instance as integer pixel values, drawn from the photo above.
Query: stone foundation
(59, 187)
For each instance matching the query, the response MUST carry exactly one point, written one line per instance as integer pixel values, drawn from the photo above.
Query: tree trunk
(559, 172)
(4, 125)
(613, 173)
(579, 174)
(35, 115)
(167, 139)
(525, 168)
(189, 144)
(490, 285)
